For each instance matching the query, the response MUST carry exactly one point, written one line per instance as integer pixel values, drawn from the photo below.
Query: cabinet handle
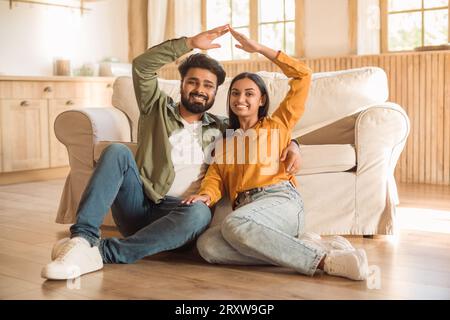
(69, 103)
(109, 85)
(24, 103)
(48, 89)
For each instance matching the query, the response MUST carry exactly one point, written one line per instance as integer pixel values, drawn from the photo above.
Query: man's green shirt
(160, 117)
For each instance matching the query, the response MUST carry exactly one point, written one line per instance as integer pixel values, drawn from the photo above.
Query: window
(237, 14)
(277, 24)
(414, 23)
(272, 25)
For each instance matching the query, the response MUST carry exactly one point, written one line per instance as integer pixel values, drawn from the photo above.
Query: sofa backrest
(124, 99)
(333, 96)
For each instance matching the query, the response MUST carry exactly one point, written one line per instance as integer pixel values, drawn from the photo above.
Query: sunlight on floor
(423, 219)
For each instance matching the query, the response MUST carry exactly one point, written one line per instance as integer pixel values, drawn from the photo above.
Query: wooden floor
(413, 265)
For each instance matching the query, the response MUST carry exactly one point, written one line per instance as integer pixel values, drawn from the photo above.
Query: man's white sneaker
(57, 247)
(75, 258)
(327, 244)
(351, 264)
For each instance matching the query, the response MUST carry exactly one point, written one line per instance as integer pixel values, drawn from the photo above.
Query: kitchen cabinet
(28, 109)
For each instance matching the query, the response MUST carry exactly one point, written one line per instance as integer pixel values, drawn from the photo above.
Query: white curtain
(157, 21)
(172, 19)
(188, 17)
(368, 27)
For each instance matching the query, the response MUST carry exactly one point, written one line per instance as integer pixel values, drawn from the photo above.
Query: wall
(31, 36)
(326, 28)
(327, 23)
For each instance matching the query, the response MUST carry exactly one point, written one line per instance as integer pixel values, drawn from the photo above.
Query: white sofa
(351, 141)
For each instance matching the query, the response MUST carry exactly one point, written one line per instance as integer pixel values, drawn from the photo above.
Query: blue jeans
(263, 230)
(147, 227)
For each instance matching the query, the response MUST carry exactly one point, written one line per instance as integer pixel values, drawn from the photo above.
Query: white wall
(326, 28)
(31, 36)
(327, 23)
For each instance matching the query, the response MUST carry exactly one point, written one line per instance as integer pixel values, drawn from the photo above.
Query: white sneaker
(351, 264)
(327, 244)
(57, 247)
(75, 258)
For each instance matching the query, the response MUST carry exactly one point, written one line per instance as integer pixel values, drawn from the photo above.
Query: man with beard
(145, 192)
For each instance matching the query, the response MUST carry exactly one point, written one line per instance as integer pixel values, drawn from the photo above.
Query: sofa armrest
(102, 145)
(380, 135)
(80, 129)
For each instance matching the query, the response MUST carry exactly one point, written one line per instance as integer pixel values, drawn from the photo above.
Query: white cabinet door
(24, 134)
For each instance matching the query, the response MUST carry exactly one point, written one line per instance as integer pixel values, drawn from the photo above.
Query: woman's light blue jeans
(263, 229)
(147, 227)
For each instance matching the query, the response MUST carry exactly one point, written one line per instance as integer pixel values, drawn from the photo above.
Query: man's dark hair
(200, 60)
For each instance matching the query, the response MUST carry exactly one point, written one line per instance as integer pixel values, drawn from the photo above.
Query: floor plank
(415, 264)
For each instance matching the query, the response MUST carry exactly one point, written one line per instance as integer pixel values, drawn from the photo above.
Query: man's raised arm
(145, 66)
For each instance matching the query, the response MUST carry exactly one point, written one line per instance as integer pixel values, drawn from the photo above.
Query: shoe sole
(76, 274)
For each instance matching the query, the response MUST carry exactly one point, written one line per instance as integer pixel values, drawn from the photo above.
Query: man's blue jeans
(148, 227)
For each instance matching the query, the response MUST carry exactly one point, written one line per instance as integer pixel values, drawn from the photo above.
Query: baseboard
(33, 175)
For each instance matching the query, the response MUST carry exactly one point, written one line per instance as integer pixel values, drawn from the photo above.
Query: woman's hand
(245, 43)
(204, 40)
(251, 46)
(197, 197)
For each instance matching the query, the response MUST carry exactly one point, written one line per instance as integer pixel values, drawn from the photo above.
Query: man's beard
(193, 107)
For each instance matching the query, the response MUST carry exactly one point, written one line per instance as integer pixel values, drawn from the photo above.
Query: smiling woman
(247, 92)
(267, 224)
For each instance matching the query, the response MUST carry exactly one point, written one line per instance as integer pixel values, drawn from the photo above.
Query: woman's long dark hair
(263, 110)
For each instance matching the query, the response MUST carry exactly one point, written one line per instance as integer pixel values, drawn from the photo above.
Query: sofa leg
(368, 236)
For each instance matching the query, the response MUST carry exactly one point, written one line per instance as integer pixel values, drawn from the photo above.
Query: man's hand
(197, 197)
(204, 40)
(291, 158)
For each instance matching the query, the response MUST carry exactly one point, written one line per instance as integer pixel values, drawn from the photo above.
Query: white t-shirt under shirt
(188, 159)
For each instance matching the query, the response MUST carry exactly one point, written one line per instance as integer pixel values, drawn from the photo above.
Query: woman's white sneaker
(327, 244)
(75, 258)
(351, 264)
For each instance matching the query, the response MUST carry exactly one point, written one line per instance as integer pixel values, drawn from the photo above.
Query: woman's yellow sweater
(250, 159)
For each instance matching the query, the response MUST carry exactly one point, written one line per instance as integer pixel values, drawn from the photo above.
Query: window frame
(385, 26)
(255, 24)
(282, 22)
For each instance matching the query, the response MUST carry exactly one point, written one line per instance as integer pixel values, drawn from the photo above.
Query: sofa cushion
(333, 96)
(315, 158)
(327, 158)
(339, 132)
